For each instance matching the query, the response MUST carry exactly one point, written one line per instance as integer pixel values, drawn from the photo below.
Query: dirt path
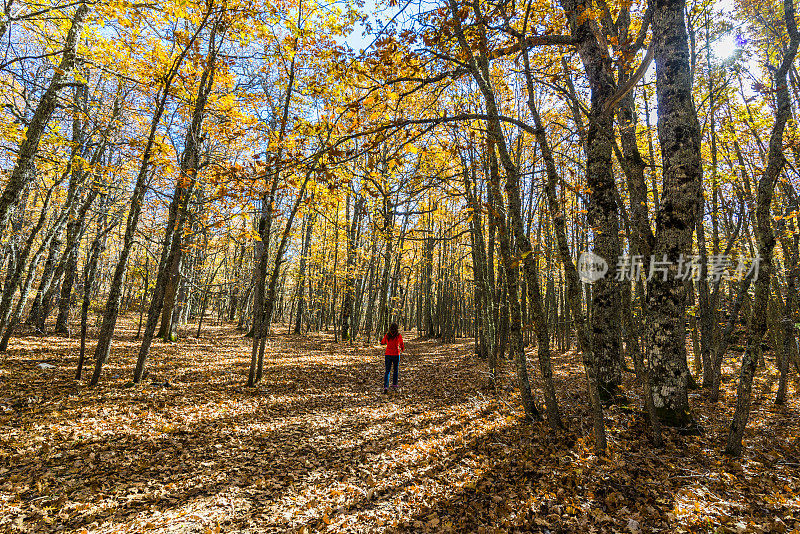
(317, 446)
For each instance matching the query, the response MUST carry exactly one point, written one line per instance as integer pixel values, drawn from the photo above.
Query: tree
(26, 153)
(765, 235)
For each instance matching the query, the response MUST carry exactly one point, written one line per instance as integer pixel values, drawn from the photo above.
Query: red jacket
(393, 346)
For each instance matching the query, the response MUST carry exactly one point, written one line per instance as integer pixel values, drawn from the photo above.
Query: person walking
(393, 340)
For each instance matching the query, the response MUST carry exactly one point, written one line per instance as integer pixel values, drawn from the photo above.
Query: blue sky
(378, 14)
(723, 47)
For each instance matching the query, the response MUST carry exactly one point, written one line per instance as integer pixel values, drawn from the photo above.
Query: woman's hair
(393, 331)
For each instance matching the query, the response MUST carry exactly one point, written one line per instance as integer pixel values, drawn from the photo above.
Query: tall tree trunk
(348, 297)
(301, 274)
(383, 292)
(171, 249)
(369, 291)
(789, 246)
(679, 136)
(427, 285)
(765, 237)
(106, 333)
(89, 280)
(516, 348)
(641, 239)
(259, 339)
(29, 146)
(602, 207)
(265, 228)
(572, 295)
(484, 318)
(69, 263)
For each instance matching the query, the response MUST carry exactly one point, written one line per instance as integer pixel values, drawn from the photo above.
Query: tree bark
(679, 137)
(573, 290)
(511, 266)
(602, 207)
(103, 346)
(353, 232)
(301, 275)
(13, 278)
(29, 146)
(765, 237)
(89, 280)
(179, 207)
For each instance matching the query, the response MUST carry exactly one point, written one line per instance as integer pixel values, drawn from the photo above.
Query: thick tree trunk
(172, 279)
(260, 277)
(679, 136)
(602, 207)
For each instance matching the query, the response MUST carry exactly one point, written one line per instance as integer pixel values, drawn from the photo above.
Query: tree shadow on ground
(317, 446)
(309, 424)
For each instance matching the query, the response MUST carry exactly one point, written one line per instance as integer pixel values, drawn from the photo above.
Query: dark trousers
(392, 364)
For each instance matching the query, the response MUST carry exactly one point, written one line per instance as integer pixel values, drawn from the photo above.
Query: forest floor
(317, 447)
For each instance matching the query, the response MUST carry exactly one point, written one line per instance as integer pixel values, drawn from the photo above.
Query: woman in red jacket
(394, 346)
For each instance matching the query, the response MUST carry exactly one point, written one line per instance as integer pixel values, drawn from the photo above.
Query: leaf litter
(316, 447)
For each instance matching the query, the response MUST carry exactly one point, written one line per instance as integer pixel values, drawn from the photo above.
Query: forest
(580, 215)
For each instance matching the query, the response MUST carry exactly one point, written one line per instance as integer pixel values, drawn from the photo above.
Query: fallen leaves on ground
(317, 447)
